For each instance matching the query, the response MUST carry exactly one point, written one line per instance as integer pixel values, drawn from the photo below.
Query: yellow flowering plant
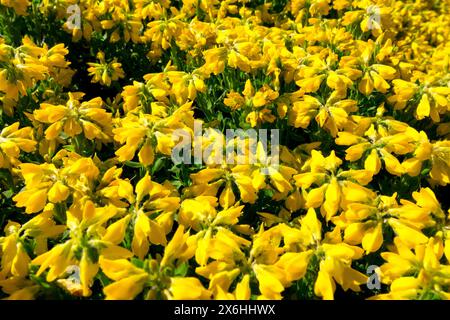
(230, 150)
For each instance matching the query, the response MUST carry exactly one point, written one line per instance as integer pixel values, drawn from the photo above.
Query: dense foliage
(93, 205)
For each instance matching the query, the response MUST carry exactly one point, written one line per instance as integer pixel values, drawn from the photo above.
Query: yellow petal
(423, 109)
(116, 231)
(354, 233)
(125, 289)
(188, 289)
(243, 289)
(58, 192)
(408, 235)
(332, 199)
(324, 286)
(88, 270)
(20, 262)
(366, 85)
(146, 154)
(294, 264)
(372, 162)
(373, 239)
(227, 198)
(315, 197)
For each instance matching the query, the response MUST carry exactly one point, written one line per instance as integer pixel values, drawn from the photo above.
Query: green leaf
(159, 163)
(182, 270)
(133, 164)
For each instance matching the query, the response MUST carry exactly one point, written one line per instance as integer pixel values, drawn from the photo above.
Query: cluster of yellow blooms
(93, 206)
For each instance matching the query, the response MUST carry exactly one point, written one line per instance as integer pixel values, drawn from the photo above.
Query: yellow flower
(82, 248)
(12, 141)
(129, 280)
(423, 263)
(20, 6)
(47, 182)
(150, 134)
(105, 72)
(271, 280)
(75, 118)
(378, 141)
(187, 289)
(333, 115)
(440, 170)
(330, 181)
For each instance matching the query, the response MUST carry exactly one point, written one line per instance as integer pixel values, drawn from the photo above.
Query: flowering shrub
(96, 98)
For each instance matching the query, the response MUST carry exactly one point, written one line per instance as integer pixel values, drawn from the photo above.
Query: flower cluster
(93, 204)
